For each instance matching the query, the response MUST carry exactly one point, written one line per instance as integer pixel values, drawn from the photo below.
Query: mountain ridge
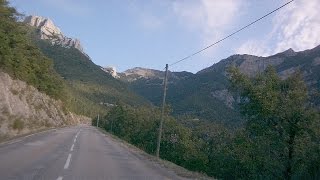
(90, 88)
(49, 31)
(205, 95)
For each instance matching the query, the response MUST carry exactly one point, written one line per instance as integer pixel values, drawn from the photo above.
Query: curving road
(76, 153)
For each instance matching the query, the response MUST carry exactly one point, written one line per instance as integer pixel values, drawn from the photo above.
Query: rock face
(24, 109)
(111, 70)
(48, 31)
(224, 96)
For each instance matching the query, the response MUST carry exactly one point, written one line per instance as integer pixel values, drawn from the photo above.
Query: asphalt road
(80, 152)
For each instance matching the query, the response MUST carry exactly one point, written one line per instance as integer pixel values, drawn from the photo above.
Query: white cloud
(297, 26)
(207, 17)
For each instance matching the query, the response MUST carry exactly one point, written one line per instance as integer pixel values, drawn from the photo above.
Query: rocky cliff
(111, 70)
(24, 109)
(48, 31)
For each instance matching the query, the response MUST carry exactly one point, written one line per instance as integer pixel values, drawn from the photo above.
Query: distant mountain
(91, 88)
(205, 95)
(49, 31)
(111, 70)
(137, 73)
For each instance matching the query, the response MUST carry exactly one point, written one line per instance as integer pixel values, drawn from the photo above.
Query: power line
(187, 57)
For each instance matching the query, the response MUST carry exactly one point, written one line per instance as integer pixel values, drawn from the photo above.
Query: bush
(18, 124)
(140, 127)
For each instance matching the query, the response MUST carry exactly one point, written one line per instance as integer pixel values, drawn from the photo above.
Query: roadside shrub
(18, 124)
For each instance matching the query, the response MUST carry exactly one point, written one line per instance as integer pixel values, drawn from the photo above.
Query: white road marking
(71, 149)
(75, 138)
(66, 166)
(60, 178)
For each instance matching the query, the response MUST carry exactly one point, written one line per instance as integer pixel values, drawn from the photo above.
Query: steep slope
(21, 59)
(148, 82)
(86, 80)
(205, 95)
(91, 88)
(24, 109)
(30, 89)
(189, 95)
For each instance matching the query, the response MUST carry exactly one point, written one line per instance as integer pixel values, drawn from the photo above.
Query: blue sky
(140, 33)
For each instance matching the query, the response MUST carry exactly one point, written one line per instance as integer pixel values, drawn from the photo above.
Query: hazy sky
(151, 33)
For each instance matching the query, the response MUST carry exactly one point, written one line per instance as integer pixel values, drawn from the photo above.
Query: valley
(64, 116)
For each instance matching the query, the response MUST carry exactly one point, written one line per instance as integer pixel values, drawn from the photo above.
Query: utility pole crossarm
(162, 110)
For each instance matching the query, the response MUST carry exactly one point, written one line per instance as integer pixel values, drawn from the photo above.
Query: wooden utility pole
(98, 121)
(162, 110)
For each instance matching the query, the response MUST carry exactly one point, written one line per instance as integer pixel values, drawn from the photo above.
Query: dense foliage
(20, 58)
(280, 139)
(204, 95)
(89, 87)
(191, 96)
(139, 127)
(62, 73)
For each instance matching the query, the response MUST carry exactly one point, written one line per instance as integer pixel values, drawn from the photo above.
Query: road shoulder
(153, 161)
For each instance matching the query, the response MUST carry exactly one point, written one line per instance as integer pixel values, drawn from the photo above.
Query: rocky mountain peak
(138, 73)
(289, 52)
(142, 72)
(111, 70)
(47, 27)
(49, 31)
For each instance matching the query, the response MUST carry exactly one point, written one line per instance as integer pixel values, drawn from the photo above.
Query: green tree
(20, 58)
(280, 125)
(139, 126)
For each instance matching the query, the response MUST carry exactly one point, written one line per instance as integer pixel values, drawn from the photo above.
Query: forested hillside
(62, 73)
(206, 95)
(279, 139)
(91, 88)
(22, 59)
(246, 117)
(33, 96)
